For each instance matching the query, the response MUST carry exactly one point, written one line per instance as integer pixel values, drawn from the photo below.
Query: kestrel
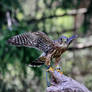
(39, 40)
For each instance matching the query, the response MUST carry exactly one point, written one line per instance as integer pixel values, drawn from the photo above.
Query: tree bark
(61, 83)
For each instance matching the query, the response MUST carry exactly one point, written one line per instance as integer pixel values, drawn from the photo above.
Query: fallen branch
(68, 13)
(62, 83)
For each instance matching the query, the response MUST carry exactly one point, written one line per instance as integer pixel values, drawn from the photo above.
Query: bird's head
(65, 41)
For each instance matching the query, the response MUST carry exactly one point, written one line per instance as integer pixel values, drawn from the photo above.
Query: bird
(52, 49)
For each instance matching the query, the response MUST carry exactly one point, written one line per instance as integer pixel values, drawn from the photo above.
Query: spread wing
(37, 40)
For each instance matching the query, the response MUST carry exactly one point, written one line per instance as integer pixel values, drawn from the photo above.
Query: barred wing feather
(37, 40)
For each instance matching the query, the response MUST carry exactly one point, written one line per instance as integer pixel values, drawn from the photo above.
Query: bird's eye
(61, 39)
(64, 40)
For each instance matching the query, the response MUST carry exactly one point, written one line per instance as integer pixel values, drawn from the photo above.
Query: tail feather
(36, 63)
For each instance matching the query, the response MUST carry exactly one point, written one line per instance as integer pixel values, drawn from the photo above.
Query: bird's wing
(37, 40)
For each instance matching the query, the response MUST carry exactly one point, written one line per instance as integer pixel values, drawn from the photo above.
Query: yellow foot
(50, 69)
(58, 69)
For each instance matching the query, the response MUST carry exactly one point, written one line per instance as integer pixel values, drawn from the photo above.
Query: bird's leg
(49, 68)
(48, 58)
(57, 65)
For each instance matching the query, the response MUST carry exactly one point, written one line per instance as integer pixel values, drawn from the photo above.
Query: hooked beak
(71, 39)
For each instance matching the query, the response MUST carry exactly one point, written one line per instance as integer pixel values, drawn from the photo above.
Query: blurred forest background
(55, 18)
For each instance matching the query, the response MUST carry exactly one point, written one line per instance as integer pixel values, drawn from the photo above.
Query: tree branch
(9, 21)
(68, 13)
(61, 32)
(62, 83)
(80, 46)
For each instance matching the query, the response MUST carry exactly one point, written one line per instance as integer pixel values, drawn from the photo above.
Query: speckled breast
(58, 52)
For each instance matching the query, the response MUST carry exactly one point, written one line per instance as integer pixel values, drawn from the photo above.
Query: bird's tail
(36, 63)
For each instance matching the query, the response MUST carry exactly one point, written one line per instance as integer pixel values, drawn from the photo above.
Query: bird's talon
(50, 69)
(58, 69)
(61, 73)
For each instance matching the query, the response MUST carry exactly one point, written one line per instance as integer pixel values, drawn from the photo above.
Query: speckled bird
(39, 40)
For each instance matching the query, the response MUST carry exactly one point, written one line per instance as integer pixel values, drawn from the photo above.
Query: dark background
(55, 18)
